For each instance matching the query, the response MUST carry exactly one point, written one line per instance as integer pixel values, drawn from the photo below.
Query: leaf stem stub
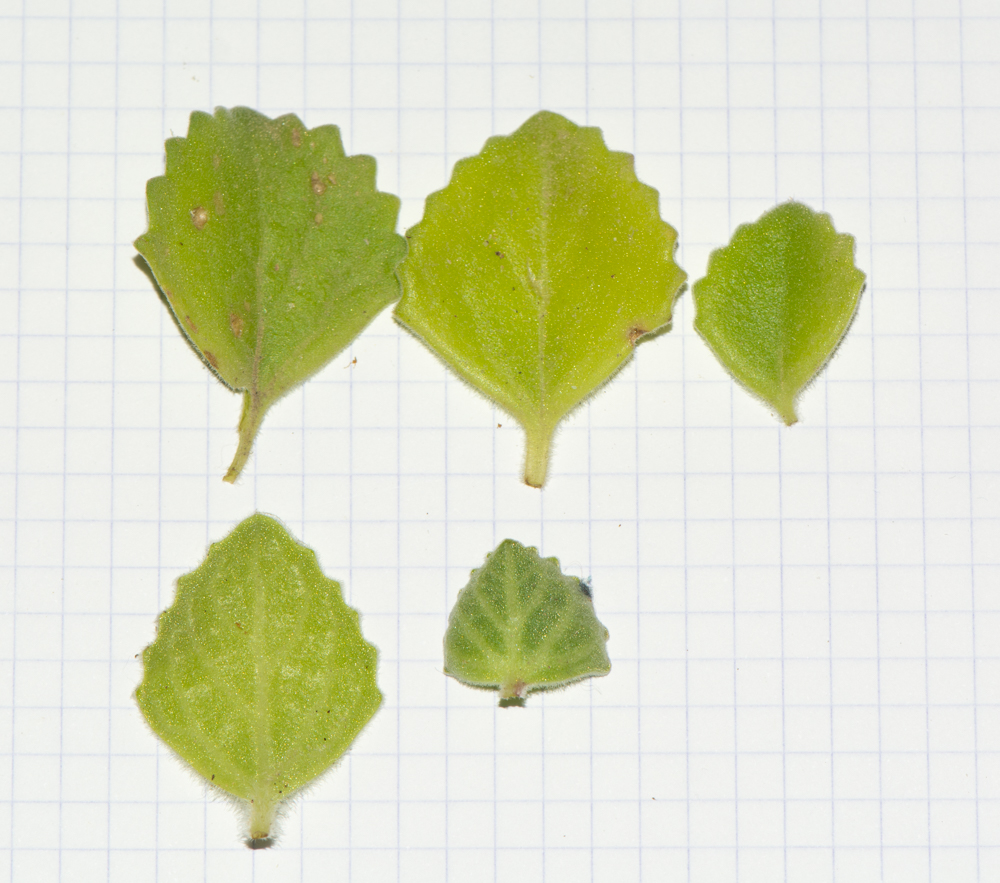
(250, 422)
(537, 446)
(262, 817)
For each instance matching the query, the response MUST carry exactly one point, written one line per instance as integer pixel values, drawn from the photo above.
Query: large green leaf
(259, 677)
(535, 272)
(521, 625)
(777, 300)
(273, 249)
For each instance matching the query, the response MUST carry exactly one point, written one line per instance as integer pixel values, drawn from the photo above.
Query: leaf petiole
(250, 422)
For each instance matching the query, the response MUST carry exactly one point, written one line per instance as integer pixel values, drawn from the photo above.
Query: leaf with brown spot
(250, 218)
(533, 270)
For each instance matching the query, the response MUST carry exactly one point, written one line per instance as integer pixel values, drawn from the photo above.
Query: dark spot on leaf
(236, 323)
(499, 254)
(190, 324)
(585, 588)
(214, 362)
(213, 777)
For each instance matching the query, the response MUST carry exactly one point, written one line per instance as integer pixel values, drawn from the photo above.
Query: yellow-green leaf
(259, 677)
(520, 625)
(777, 300)
(535, 272)
(273, 249)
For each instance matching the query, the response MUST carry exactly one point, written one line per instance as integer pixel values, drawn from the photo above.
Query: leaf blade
(259, 677)
(776, 302)
(520, 625)
(273, 249)
(535, 272)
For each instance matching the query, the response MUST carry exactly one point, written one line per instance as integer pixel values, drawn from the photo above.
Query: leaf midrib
(543, 287)
(259, 293)
(262, 729)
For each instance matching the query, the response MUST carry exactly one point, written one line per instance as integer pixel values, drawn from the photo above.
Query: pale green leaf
(273, 249)
(777, 300)
(520, 625)
(259, 677)
(535, 272)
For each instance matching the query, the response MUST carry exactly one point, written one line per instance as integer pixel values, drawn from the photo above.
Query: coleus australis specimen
(537, 270)
(272, 248)
(259, 678)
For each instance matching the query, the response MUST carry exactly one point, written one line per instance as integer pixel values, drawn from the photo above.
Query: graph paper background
(804, 623)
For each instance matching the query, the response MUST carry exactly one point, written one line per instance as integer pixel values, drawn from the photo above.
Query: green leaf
(520, 625)
(273, 249)
(535, 272)
(777, 300)
(259, 677)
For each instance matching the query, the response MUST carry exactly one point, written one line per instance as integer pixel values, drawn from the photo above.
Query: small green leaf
(520, 625)
(259, 677)
(273, 249)
(777, 300)
(535, 272)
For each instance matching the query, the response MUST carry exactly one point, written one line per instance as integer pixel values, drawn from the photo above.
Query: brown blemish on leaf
(296, 137)
(332, 178)
(199, 217)
(635, 332)
(236, 323)
(318, 184)
(220, 208)
(318, 218)
(190, 324)
(214, 362)
(216, 161)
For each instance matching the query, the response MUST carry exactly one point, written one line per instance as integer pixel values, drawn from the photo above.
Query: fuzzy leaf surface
(535, 272)
(273, 249)
(777, 300)
(259, 677)
(521, 625)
